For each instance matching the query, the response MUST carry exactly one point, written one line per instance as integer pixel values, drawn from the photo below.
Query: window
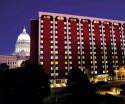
(70, 67)
(70, 52)
(51, 68)
(78, 57)
(66, 62)
(83, 57)
(65, 57)
(66, 73)
(57, 74)
(41, 63)
(57, 68)
(52, 57)
(52, 74)
(56, 62)
(52, 62)
(56, 57)
(70, 57)
(56, 52)
(70, 62)
(66, 67)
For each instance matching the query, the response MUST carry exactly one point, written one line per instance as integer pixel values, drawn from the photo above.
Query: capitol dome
(23, 44)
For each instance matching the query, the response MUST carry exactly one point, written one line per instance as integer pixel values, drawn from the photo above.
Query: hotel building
(61, 42)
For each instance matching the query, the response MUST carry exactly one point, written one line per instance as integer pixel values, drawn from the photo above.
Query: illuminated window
(48, 17)
(83, 62)
(56, 47)
(70, 67)
(65, 62)
(70, 52)
(65, 57)
(65, 52)
(66, 67)
(41, 63)
(83, 57)
(70, 62)
(41, 57)
(78, 57)
(115, 23)
(90, 52)
(41, 36)
(51, 68)
(57, 74)
(78, 52)
(56, 52)
(41, 52)
(95, 21)
(52, 57)
(52, 74)
(41, 21)
(70, 57)
(51, 52)
(52, 62)
(41, 46)
(41, 31)
(51, 46)
(56, 62)
(66, 73)
(56, 57)
(57, 68)
(51, 41)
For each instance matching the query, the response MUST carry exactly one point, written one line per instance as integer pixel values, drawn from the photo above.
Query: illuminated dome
(23, 44)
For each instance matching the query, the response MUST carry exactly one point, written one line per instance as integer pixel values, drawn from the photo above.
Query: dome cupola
(23, 43)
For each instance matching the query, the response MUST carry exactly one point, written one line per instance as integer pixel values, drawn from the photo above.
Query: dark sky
(15, 14)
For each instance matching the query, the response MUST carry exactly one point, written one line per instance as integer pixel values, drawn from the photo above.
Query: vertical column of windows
(74, 46)
(108, 51)
(46, 43)
(87, 60)
(60, 43)
(98, 47)
(123, 37)
(118, 41)
(122, 43)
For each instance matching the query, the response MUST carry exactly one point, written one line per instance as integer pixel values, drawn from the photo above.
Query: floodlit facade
(22, 47)
(22, 51)
(23, 44)
(61, 42)
(10, 60)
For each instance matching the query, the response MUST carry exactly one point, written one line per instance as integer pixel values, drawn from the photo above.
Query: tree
(78, 82)
(4, 66)
(25, 63)
(28, 84)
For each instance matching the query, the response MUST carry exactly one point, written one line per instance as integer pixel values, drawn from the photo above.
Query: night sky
(15, 14)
